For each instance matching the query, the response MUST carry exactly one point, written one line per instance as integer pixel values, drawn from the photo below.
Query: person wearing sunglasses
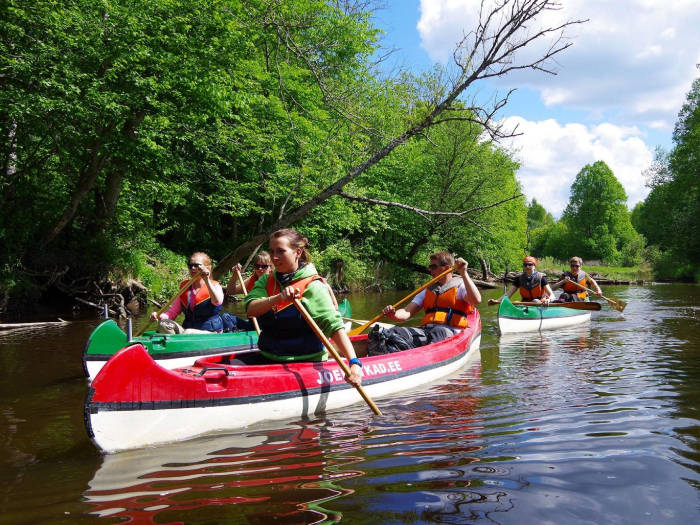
(201, 302)
(446, 303)
(571, 292)
(531, 284)
(261, 266)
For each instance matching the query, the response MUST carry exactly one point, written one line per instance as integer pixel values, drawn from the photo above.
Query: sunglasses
(576, 266)
(193, 265)
(528, 264)
(433, 266)
(261, 266)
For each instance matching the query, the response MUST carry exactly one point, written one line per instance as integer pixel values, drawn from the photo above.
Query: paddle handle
(245, 292)
(305, 314)
(170, 302)
(361, 329)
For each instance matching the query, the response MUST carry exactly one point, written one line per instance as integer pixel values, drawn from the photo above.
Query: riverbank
(151, 283)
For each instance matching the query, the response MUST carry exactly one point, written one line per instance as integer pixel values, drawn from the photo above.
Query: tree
(668, 218)
(538, 220)
(493, 49)
(596, 215)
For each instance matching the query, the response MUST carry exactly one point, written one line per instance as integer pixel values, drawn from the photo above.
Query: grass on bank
(622, 273)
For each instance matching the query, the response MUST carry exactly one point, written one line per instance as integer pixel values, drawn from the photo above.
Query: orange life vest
(273, 288)
(443, 307)
(201, 296)
(536, 290)
(571, 288)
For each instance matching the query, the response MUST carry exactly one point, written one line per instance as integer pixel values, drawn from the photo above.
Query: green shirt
(316, 299)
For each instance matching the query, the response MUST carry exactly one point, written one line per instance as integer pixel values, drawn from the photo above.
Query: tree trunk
(85, 183)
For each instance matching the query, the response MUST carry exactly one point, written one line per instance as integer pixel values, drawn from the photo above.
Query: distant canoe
(515, 319)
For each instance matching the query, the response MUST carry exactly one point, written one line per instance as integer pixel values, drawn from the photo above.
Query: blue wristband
(355, 361)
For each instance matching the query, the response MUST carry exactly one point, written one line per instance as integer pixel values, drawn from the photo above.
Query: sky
(615, 97)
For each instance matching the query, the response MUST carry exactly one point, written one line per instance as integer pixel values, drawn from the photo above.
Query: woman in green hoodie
(285, 334)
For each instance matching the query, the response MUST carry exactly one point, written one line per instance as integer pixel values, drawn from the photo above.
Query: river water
(597, 424)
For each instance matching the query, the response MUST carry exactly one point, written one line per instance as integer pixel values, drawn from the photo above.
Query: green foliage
(134, 131)
(597, 215)
(668, 218)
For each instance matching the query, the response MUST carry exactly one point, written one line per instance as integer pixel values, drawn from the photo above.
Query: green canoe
(515, 319)
(170, 350)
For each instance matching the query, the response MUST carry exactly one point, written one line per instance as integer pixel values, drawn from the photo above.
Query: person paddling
(261, 266)
(201, 302)
(447, 303)
(531, 284)
(571, 292)
(286, 336)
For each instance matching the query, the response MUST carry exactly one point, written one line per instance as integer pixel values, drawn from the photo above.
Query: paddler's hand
(389, 311)
(493, 301)
(461, 265)
(237, 268)
(355, 377)
(290, 293)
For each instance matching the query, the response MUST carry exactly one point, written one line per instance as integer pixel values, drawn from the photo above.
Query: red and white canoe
(134, 402)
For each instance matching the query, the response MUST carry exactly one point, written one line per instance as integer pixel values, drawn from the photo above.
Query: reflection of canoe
(134, 402)
(515, 319)
(169, 350)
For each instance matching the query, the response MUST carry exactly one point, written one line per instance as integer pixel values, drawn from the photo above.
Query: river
(597, 424)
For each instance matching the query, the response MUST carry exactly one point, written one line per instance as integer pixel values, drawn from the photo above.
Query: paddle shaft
(361, 329)
(245, 292)
(305, 314)
(170, 302)
(617, 304)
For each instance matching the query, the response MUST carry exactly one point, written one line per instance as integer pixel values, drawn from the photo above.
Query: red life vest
(571, 288)
(536, 290)
(443, 307)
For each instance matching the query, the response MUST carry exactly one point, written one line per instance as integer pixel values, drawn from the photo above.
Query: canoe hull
(134, 402)
(516, 319)
(169, 350)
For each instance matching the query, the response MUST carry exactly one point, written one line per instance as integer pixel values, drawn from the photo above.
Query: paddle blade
(617, 304)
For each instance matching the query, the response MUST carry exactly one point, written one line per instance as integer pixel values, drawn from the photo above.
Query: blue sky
(615, 97)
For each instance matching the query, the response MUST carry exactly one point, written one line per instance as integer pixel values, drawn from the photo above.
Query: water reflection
(284, 475)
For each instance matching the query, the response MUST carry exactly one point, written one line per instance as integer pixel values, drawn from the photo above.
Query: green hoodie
(316, 299)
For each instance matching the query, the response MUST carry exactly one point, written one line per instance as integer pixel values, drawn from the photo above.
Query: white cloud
(634, 60)
(551, 154)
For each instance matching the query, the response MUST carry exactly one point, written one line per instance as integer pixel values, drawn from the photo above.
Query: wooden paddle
(360, 329)
(334, 353)
(171, 301)
(617, 304)
(245, 292)
(582, 305)
(363, 321)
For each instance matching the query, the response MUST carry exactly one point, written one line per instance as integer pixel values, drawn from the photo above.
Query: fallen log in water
(10, 326)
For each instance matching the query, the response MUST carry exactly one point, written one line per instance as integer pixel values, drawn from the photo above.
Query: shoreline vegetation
(126, 294)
